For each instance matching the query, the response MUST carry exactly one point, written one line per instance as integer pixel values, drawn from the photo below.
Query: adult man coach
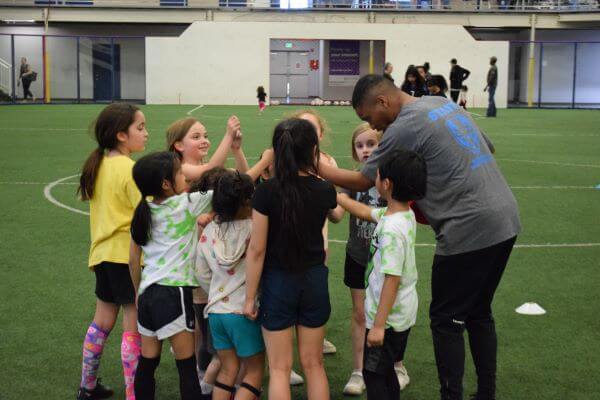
(469, 206)
(458, 75)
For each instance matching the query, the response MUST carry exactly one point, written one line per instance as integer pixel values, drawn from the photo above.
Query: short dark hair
(408, 173)
(365, 85)
(453, 61)
(493, 60)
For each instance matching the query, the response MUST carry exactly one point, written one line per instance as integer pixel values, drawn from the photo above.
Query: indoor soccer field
(551, 159)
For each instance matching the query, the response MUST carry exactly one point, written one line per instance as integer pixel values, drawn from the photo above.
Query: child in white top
(165, 230)
(221, 267)
(390, 280)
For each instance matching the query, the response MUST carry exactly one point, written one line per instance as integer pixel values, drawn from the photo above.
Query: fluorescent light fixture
(19, 21)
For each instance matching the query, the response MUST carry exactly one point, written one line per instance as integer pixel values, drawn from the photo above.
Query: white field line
(550, 163)
(518, 246)
(551, 135)
(51, 199)
(194, 109)
(37, 183)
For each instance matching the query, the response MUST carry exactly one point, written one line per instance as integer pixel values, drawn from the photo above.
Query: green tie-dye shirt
(169, 255)
(393, 253)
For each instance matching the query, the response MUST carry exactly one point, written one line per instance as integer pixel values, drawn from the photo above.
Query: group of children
(419, 82)
(230, 264)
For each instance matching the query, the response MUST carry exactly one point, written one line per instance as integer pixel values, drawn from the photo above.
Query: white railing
(5, 77)
(390, 5)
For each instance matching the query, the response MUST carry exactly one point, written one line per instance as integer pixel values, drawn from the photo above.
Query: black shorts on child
(354, 273)
(294, 298)
(113, 283)
(381, 358)
(164, 311)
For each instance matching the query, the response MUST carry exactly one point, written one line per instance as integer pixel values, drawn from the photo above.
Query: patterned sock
(131, 346)
(92, 351)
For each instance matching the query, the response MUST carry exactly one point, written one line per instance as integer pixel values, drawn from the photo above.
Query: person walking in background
(261, 95)
(26, 75)
(492, 82)
(458, 75)
(387, 71)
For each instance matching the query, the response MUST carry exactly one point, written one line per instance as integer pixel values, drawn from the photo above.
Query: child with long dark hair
(286, 256)
(165, 230)
(261, 95)
(414, 84)
(221, 263)
(106, 182)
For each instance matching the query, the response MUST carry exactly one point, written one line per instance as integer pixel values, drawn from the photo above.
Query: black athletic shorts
(354, 273)
(164, 311)
(113, 283)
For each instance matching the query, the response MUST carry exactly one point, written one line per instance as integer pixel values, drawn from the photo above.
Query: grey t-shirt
(468, 203)
(360, 232)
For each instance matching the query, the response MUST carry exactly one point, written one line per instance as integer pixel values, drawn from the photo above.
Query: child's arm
(386, 302)
(203, 271)
(255, 258)
(135, 265)
(337, 214)
(355, 208)
(267, 158)
(194, 172)
(241, 164)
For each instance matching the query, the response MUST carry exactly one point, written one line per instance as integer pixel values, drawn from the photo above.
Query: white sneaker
(403, 378)
(356, 384)
(328, 347)
(296, 379)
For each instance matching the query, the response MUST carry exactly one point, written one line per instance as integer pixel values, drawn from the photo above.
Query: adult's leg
(279, 345)
(310, 342)
(493, 100)
(454, 94)
(183, 349)
(480, 323)
(447, 326)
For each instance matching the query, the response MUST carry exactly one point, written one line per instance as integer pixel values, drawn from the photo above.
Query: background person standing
(492, 82)
(26, 75)
(458, 75)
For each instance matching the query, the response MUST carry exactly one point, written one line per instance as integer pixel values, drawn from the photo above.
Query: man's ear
(382, 100)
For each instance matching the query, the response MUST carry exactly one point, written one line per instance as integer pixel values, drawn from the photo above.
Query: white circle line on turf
(51, 199)
(194, 109)
(518, 246)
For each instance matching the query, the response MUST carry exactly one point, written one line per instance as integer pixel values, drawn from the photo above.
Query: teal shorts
(234, 331)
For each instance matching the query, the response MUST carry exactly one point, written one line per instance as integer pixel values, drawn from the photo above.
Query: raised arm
(255, 257)
(358, 209)
(267, 158)
(241, 164)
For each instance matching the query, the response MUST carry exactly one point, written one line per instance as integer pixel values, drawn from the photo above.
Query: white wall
(223, 63)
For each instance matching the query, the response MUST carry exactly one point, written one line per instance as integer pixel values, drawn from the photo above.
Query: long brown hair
(115, 118)
(177, 131)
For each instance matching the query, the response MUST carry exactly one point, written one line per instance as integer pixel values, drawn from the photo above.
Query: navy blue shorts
(294, 298)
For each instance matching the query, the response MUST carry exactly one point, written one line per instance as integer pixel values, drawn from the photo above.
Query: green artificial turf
(550, 157)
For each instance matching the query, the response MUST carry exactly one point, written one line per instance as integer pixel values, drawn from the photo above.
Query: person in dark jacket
(26, 76)
(492, 82)
(437, 86)
(458, 75)
(414, 84)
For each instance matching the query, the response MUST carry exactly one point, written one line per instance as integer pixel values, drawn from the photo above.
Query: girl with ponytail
(106, 182)
(287, 257)
(164, 229)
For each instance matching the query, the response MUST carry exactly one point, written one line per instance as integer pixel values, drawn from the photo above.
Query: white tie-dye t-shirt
(393, 253)
(170, 254)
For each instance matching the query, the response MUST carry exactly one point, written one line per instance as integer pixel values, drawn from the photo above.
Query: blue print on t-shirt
(467, 135)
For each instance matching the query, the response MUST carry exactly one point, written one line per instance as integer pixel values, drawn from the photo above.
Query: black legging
(26, 92)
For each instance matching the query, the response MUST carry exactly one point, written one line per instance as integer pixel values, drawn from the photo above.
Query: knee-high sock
(131, 345)
(188, 379)
(93, 345)
(145, 384)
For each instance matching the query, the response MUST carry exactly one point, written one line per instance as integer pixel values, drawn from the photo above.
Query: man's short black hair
(453, 61)
(408, 173)
(365, 85)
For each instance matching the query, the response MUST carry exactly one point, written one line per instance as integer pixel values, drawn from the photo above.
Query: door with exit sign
(289, 74)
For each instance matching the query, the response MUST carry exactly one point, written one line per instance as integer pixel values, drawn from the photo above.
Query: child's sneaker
(356, 384)
(295, 379)
(403, 378)
(99, 392)
(328, 347)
